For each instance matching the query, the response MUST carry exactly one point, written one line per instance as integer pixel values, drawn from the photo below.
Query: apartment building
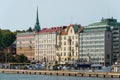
(45, 41)
(25, 44)
(67, 43)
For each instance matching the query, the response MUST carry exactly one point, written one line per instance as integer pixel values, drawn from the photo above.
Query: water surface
(46, 77)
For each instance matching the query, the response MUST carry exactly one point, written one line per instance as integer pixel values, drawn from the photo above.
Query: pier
(63, 73)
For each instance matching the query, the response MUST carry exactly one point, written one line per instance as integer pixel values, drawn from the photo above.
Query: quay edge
(63, 73)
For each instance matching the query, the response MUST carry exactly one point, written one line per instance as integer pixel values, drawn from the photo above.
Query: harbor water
(4, 76)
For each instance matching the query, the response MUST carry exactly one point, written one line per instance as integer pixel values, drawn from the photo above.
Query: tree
(0, 40)
(2, 57)
(10, 57)
(21, 58)
(29, 30)
(17, 59)
(7, 38)
(18, 31)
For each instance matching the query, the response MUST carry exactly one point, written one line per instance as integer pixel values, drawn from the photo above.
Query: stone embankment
(63, 73)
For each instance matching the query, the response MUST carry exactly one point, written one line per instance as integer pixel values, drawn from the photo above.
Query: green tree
(10, 57)
(7, 38)
(2, 57)
(21, 58)
(29, 30)
(17, 58)
(18, 31)
(0, 40)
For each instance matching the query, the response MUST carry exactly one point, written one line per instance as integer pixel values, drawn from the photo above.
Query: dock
(63, 73)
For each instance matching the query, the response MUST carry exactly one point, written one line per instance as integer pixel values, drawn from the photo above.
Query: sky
(21, 14)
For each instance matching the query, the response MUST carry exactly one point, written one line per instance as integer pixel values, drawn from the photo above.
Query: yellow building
(67, 43)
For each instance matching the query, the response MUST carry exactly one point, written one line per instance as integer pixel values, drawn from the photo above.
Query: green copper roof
(109, 21)
(76, 27)
(37, 26)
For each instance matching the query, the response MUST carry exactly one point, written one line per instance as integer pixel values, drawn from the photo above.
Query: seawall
(63, 73)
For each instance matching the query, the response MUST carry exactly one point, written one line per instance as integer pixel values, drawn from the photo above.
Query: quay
(63, 73)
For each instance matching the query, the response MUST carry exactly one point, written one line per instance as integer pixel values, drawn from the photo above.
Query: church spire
(37, 19)
(37, 26)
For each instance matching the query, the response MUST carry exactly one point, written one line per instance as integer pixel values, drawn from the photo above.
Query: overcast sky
(21, 14)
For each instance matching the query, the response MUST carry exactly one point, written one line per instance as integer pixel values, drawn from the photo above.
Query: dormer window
(30, 41)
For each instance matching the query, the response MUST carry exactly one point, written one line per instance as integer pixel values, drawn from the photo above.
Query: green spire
(37, 19)
(37, 26)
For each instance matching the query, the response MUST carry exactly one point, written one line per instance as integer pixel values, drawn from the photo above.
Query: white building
(45, 41)
(95, 44)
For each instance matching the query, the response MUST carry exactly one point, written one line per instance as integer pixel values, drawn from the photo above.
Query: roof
(64, 31)
(76, 28)
(25, 34)
(108, 21)
(49, 30)
(37, 26)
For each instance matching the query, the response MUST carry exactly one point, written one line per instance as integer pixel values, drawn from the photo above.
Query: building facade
(115, 29)
(45, 42)
(67, 43)
(110, 46)
(25, 44)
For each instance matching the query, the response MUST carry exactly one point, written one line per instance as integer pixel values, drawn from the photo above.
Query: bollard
(69, 74)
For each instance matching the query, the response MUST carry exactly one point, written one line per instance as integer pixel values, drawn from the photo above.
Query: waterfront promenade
(63, 73)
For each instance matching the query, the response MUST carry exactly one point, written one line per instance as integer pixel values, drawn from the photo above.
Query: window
(64, 48)
(108, 56)
(72, 54)
(76, 37)
(64, 54)
(30, 41)
(72, 43)
(20, 47)
(64, 43)
(61, 54)
(64, 38)
(72, 37)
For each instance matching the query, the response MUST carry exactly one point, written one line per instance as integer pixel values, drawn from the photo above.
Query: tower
(37, 26)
